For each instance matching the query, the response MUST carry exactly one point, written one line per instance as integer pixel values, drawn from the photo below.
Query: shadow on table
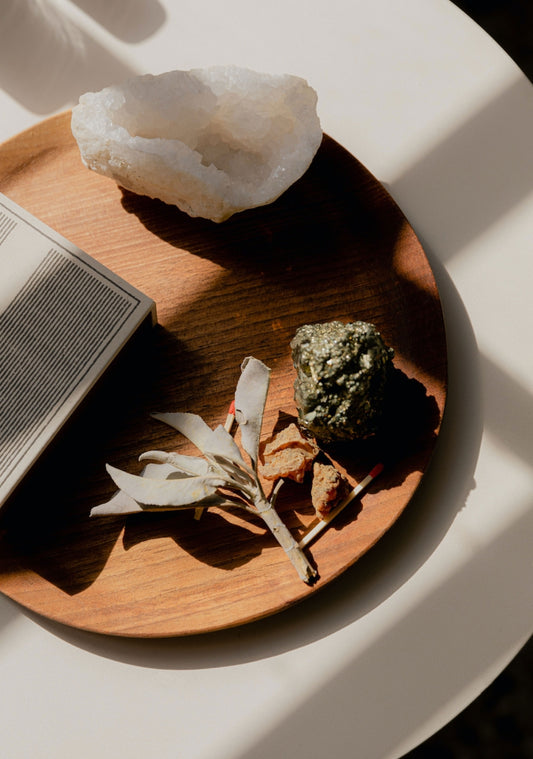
(483, 168)
(47, 61)
(338, 703)
(9, 610)
(127, 20)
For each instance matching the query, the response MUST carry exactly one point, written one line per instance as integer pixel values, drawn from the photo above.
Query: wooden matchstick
(328, 518)
(228, 424)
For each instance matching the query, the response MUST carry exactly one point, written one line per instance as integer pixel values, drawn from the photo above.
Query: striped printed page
(63, 319)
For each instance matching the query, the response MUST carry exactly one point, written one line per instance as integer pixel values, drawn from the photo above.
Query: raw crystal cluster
(211, 141)
(342, 375)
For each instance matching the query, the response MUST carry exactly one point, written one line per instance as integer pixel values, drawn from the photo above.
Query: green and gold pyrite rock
(342, 375)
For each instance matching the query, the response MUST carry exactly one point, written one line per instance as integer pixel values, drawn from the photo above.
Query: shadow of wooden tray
(334, 246)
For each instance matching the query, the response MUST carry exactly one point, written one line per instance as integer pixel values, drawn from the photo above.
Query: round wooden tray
(334, 246)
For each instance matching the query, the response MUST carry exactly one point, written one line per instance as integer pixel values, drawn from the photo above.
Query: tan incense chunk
(288, 437)
(328, 487)
(288, 455)
(290, 463)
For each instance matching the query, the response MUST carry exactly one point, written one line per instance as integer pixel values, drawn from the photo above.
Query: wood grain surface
(334, 246)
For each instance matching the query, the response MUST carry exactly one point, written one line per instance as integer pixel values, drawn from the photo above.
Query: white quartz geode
(211, 141)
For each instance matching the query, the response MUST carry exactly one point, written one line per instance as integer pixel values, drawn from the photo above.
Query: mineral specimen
(342, 375)
(211, 141)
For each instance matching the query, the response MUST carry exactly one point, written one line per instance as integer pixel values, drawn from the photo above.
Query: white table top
(417, 628)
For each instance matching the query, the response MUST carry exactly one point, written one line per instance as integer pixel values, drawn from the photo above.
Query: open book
(63, 319)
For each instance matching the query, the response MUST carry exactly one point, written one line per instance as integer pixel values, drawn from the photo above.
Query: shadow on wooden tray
(44, 525)
(335, 204)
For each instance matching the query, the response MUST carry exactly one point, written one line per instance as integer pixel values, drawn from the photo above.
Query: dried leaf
(250, 399)
(191, 425)
(177, 491)
(222, 444)
(202, 436)
(121, 503)
(242, 477)
(186, 464)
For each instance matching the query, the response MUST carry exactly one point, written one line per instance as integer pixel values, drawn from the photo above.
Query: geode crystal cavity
(210, 141)
(342, 375)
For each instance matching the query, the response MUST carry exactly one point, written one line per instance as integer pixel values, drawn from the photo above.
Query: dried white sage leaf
(250, 398)
(191, 426)
(180, 491)
(186, 464)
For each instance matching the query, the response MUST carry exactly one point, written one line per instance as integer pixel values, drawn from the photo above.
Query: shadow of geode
(405, 437)
(334, 202)
(403, 441)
